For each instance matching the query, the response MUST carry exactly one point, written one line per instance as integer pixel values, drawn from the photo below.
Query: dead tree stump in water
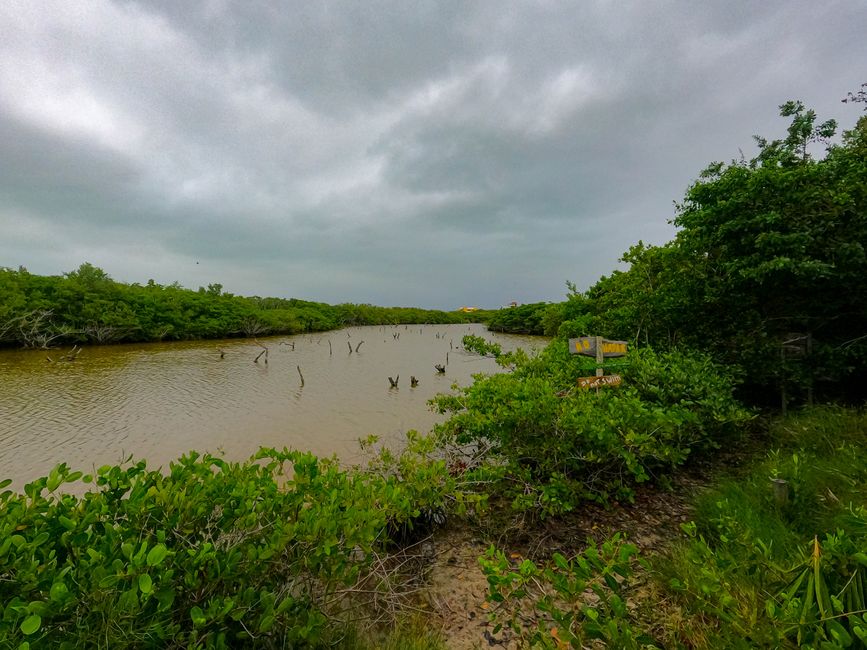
(413, 381)
(264, 351)
(440, 368)
(393, 382)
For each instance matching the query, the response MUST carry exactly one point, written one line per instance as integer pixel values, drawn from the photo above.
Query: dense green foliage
(767, 249)
(279, 551)
(86, 305)
(555, 597)
(554, 444)
(521, 319)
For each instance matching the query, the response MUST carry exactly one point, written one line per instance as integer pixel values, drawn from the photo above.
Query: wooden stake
(600, 359)
(300, 375)
(781, 491)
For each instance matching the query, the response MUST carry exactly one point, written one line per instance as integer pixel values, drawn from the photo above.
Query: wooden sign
(586, 345)
(599, 382)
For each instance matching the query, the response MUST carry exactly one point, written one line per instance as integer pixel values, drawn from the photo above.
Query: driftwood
(330, 351)
(72, 355)
(264, 351)
(350, 346)
(358, 346)
(413, 381)
(393, 382)
(440, 368)
(300, 375)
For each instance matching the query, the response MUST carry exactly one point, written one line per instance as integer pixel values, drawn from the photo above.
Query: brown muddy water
(157, 401)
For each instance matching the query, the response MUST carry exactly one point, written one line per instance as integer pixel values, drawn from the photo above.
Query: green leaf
(59, 592)
(157, 554)
(198, 616)
(145, 584)
(266, 623)
(66, 522)
(31, 624)
(839, 633)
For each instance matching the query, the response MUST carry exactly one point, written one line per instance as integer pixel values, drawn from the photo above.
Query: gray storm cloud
(431, 154)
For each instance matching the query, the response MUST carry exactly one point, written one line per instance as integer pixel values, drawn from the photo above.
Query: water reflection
(158, 401)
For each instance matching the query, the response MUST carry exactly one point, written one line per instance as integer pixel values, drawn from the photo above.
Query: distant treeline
(768, 271)
(87, 306)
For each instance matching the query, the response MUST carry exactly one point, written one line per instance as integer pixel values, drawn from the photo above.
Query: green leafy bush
(568, 603)
(273, 551)
(560, 444)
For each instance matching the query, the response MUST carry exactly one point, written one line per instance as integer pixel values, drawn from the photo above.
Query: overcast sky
(431, 154)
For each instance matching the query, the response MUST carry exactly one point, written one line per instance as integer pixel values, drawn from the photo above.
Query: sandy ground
(456, 586)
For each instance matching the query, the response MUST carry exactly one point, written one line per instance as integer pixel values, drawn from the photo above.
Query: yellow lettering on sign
(585, 344)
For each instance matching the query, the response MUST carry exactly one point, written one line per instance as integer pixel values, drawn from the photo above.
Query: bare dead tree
(441, 369)
(100, 333)
(253, 327)
(162, 332)
(36, 329)
(413, 381)
(393, 382)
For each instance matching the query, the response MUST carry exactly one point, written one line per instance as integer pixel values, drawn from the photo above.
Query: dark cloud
(425, 153)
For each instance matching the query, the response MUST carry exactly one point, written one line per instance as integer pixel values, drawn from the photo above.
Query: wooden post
(600, 359)
(783, 380)
(781, 491)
